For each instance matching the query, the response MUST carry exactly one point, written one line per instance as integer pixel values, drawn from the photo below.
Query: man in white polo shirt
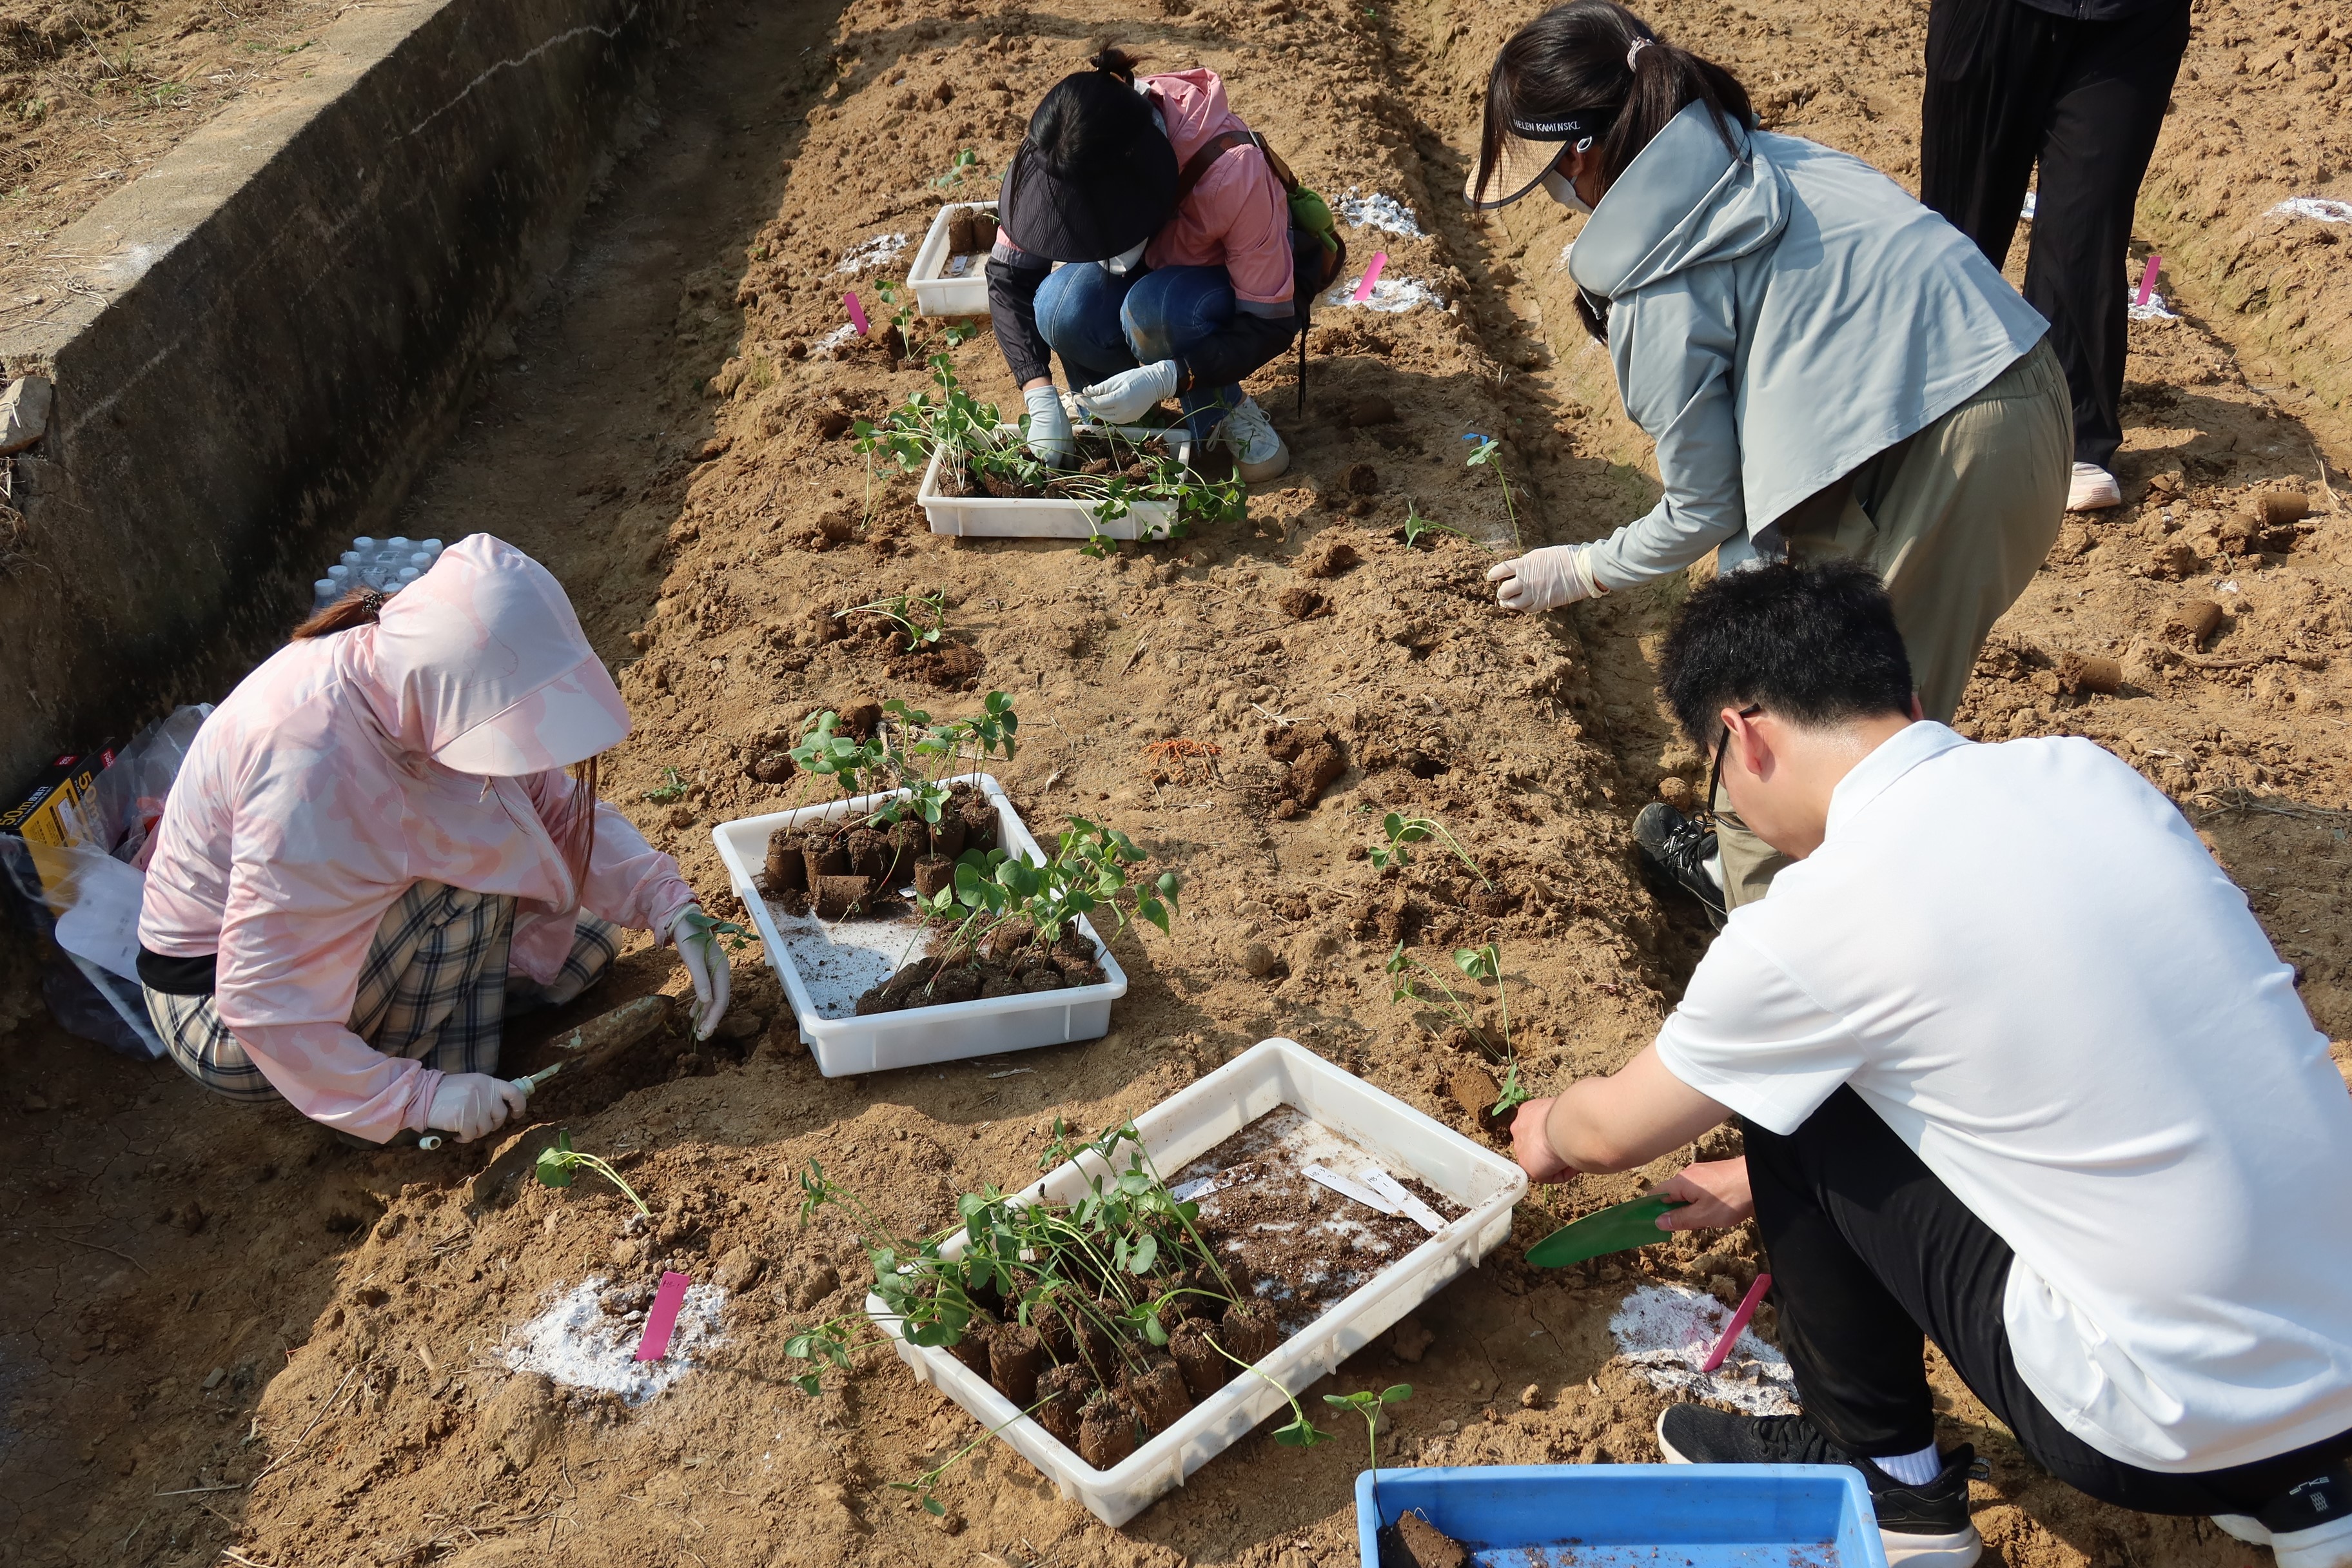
(2017, 1070)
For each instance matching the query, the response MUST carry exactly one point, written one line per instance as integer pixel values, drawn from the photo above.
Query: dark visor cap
(1093, 216)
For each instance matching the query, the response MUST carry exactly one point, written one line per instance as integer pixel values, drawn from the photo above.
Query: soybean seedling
(1398, 831)
(1480, 965)
(1488, 453)
(965, 161)
(1417, 526)
(1368, 1405)
(556, 1166)
(921, 619)
(672, 787)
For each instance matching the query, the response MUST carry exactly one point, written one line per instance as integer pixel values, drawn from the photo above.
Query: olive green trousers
(1955, 519)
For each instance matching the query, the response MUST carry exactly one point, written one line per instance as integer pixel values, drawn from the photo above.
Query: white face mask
(1562, 189)
(1125, 262)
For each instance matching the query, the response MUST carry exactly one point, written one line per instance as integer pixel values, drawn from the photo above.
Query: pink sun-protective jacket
(311, 801)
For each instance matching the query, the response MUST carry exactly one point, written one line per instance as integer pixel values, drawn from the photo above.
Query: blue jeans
(1101, 325)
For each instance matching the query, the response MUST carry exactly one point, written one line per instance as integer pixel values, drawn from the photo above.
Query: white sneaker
(1258, 452)
(2325, 1543)
(2092, 490)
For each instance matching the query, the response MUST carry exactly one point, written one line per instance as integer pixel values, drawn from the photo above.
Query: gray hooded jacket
(1775, 319)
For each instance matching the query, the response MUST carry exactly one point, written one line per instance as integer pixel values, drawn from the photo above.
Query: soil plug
(2193, 623)
(1016, 1355)
(787, 866)
(1157, 1393)
(935, 874)
(839, 898)
(1063, 1395)
(1106, 1432)
(2280, 509)
(2093, 672)
(1205, 1371)
(972, 1348)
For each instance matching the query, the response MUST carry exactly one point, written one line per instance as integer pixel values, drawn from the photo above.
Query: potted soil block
(949, 273)
(958, 508)
(843, 931)
(1237, 1143)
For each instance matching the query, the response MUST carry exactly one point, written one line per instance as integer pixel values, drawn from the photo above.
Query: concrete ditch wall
(272, 329)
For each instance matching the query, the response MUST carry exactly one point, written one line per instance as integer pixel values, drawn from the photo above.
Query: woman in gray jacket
(1827, 367)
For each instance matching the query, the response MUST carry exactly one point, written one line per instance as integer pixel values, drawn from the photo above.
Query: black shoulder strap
(1196, 167)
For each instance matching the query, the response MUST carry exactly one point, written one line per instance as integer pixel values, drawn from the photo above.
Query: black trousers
(2010, 86)
(1869, 1250)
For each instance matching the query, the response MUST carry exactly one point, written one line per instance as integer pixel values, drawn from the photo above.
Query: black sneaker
(2308, 1526)
(1921, 1526)
(1676, 850)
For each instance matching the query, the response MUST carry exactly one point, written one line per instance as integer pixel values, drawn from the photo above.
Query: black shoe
(1676, 850)
(2308, 1526)
(1921, 1526)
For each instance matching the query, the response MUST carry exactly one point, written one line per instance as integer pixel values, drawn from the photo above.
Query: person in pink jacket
(373, 854)
(1183, 261)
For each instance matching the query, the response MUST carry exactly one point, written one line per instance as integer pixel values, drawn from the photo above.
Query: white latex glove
(1049, 426)
(1545, 578)
(1129, 395)
(468, 1105)
(706, 965)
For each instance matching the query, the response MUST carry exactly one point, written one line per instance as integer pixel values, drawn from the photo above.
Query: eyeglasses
(1715, 773)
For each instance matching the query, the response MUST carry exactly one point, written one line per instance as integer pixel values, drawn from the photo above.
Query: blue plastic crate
(1621, 1516)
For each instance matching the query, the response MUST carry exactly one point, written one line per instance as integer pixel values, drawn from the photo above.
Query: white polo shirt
(2021, 957)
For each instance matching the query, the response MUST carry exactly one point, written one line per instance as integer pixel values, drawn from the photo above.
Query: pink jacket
(309, 802)
(1238, 216)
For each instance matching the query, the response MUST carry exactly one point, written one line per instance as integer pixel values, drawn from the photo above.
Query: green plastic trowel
(1617, 1228)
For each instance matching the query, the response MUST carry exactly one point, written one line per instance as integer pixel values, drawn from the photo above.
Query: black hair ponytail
(1112, 60)
(1594, 54)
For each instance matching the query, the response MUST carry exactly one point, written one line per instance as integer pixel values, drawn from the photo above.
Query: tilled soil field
(229, 1339)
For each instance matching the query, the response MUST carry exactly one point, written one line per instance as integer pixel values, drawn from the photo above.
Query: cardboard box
(50, 812)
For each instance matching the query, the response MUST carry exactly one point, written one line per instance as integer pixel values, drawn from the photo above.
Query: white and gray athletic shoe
(1921, 1527)
(2309, 1527)
(2092, 489)
(1258, 452)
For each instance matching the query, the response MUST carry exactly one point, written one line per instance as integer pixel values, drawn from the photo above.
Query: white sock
(1911, 1469)
(1714, 868)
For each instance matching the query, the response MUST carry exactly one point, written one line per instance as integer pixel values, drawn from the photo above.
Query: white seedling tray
(936, 294)
(1014, 517)
(882, 1041)
(1270, 1074)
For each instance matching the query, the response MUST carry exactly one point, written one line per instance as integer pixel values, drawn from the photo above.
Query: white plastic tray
(938, 296)
(1013, 517)
(1181, 1128)
(882, 1041)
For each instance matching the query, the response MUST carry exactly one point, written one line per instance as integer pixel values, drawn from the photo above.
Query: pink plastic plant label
(1372, 276)
(1745, 1310)
(856, 312)
(2148, 279)
(661, 1320)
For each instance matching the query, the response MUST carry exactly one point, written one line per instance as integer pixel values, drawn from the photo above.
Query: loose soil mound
(671, 439)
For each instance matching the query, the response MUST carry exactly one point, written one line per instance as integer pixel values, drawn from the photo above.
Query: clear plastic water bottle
(323, 592)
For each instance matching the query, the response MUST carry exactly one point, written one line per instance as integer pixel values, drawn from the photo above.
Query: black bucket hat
(1094, 176)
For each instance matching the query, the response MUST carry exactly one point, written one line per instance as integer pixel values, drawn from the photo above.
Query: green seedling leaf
(1300, 1433)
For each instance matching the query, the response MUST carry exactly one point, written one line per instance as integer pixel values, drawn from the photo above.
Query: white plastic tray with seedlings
(1176, 1281)
(923, 922)
(979, 478)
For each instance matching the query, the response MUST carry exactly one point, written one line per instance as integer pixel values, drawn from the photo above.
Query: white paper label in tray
(1411, 1208)
(1356, 1191)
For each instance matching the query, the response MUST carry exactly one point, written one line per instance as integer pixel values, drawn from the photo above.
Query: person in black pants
(2081, 88)
(2018, 1071)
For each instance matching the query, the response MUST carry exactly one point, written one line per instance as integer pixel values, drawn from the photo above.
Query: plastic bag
(85, 896)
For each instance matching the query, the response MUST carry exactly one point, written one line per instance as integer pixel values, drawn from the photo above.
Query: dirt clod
(1301, 603)
(1327, 557)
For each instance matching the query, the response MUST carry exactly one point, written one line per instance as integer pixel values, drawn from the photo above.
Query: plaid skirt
(435, 988)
